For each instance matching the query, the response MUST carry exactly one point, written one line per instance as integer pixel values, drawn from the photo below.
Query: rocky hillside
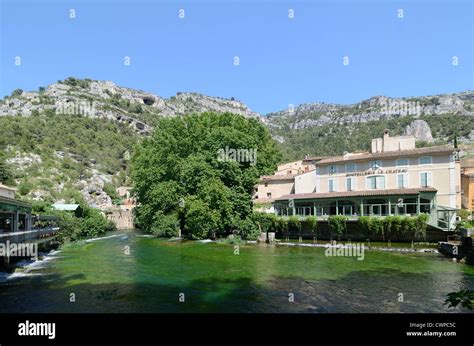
(73, 139)
(324, 129)
(104, 99)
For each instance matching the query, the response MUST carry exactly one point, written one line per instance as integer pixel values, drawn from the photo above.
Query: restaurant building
(15, 215)
(394, 178)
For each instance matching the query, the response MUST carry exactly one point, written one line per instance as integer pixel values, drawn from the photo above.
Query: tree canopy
(182, 181)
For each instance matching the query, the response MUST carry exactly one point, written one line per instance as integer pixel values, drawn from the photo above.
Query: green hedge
(394, 227)
(338, 225)
(283, 227)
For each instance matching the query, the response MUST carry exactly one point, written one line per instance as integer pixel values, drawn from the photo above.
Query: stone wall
(121, 217)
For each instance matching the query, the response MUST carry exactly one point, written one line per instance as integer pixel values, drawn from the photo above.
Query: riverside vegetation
(395, 228)
(181, 183)
(85, 223)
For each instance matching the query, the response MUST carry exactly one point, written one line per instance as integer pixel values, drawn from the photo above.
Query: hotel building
(467, 184)
(394, 178)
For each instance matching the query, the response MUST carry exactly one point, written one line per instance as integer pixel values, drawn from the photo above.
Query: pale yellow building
(394, 178)
(467, 184)
(282, 182)
(296, 167)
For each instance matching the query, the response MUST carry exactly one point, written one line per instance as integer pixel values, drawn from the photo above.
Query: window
(425, 179)
(376, 164)
(376, 182)
(269, 195)
(266, 184)
(425, 160)
(402, 180)
(402, 162)
(350, 184)
(332, 169)
(332, 185)
(350, 167)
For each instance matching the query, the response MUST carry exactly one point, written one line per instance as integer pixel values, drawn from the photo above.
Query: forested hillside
(73, 139)
(326, 129)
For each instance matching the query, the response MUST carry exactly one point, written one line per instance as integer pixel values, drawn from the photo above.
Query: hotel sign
(377, 171)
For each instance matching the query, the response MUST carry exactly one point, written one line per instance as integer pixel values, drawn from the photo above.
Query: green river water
(104, 278)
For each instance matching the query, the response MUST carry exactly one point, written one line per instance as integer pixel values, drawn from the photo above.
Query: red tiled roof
(363, 193)
(278, 177)
(398, 153)
(314, 158)
(263, 200)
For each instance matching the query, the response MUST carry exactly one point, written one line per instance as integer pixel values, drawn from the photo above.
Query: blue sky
(282, 61)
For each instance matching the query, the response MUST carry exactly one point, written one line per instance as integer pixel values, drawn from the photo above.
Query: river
(130, 272)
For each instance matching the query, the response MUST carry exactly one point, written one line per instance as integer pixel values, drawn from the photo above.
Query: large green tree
(181, 179)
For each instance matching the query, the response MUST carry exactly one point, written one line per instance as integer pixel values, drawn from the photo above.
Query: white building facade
(394, 178)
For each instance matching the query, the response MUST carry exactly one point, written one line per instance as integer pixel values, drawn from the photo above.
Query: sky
(428, 49)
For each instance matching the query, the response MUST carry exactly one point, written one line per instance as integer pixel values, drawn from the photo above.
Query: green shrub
(337, 225)
(17, 92)
(248, 229)
(165, 225)
(110, 190)
(394, 227)
(294, 225)
(25, 187)
(201, 221)
(266, 221)
(363, 225)
(91, 223)
(6, 176)
(421, 226)
(310, 224)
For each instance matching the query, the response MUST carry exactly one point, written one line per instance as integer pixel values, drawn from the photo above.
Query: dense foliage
(395, 227)
(87, 223)
(5, 173)
(464, 298)
(337, 225)
(181, 181)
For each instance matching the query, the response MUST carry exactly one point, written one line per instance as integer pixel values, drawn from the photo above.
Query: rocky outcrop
(104, 99)
(92, 189)
(419, 129)
(21, 161)
(373, 109)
